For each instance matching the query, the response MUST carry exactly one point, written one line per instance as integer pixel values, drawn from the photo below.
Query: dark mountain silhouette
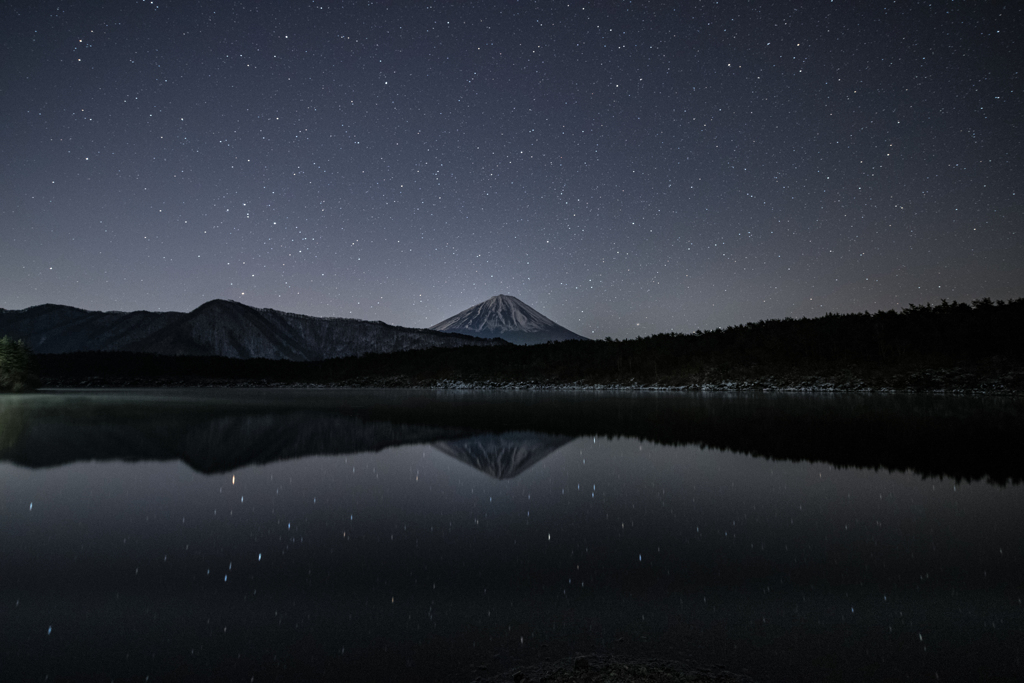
(217, 328)
(508, 318)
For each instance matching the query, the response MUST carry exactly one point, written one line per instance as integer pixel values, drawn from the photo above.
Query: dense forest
(977, 346)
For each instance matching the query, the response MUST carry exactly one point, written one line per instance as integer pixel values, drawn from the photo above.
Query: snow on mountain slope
(508, 318)
(217, 328)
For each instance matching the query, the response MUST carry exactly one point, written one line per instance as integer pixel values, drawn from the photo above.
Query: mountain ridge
(216, 328)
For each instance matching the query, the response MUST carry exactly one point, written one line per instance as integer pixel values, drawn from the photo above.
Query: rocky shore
(947, 381)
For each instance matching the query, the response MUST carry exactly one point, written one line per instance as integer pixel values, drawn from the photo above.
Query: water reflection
(502, 456)
(959, 437)
(199, 535)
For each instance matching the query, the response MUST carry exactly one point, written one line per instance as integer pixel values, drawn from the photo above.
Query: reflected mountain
(224, 442)
(505, 433)
(503, 456)
(207, 443)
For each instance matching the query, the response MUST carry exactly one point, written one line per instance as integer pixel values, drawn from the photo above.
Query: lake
(370, 535)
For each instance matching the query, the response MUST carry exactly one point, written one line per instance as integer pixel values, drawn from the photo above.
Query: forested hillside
(917, 347)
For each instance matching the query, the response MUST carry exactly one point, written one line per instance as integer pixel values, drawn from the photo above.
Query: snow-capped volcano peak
(506, 317)
(502, 313)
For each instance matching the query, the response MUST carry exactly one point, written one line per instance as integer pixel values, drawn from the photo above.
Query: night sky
(625, 168)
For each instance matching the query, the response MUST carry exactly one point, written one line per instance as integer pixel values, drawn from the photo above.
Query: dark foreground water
(376, 535)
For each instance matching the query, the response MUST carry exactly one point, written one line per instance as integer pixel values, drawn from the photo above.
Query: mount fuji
(508, 318)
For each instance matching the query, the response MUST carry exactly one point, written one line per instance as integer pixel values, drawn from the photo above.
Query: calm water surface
(374, 535)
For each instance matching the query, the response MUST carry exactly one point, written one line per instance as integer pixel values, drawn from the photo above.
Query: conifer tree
(15, 366)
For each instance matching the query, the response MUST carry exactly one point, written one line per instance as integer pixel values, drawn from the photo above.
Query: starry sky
(626, 168)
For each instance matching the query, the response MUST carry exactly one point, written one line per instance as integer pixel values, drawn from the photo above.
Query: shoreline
(962, 384)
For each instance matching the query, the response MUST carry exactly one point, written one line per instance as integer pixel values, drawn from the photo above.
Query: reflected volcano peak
(504, 455)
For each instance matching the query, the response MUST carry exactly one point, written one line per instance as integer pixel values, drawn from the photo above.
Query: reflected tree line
(504, 434)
